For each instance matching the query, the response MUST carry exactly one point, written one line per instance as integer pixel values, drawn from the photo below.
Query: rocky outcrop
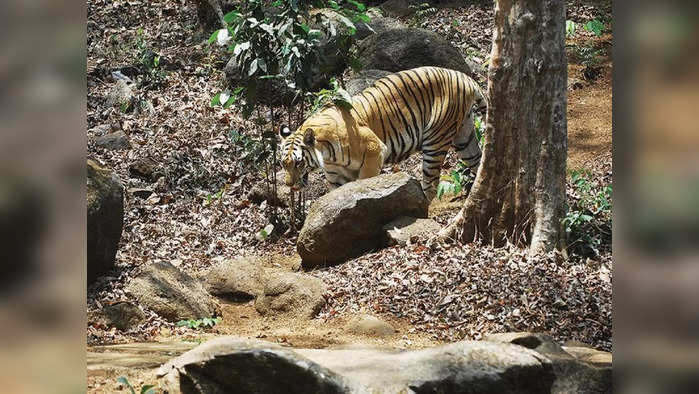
(349, 220)
(406, 48)
(291, 294)
(242, 278)
(574, 373)
(105, 219)
(407, 229)
(364, 79)
(171, 293)
(229, 364)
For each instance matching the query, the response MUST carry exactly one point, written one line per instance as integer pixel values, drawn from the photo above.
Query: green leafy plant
(334, 94)
(199, 323)
(571, 28)
(595, 26)
(251, 153)
(456, 181)
(145, 389)
(587, 55)
(588, 219)
(479, 129)
(420, 12)
(455, 23)
(285, 45)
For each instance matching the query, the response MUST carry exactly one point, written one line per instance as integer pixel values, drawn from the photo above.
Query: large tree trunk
(519, 191)
(210, 15)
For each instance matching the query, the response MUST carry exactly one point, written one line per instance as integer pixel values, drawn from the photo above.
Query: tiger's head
(297, 155)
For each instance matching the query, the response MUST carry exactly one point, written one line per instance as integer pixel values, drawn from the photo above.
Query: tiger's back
(424, 109)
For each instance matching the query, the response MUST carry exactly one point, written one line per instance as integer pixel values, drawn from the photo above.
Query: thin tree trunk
(210, 15)
(519, 191)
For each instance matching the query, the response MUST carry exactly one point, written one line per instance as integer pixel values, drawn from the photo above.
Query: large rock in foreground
(229, 364)
(402, 49)
(576, 369)
(105, 219)
(349, 220)
(172, 294)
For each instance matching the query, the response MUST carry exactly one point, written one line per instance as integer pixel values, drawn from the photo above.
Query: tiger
(424, 109)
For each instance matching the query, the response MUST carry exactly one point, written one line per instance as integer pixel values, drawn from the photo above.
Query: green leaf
(231, 16)
(333, 4)
(253, 67)
(148, 389)
(360, 6)
(216, 100)
(125, 382)
(595, 26)
(213, 36)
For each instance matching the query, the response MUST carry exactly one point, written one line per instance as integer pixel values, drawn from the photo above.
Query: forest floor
(430, 294)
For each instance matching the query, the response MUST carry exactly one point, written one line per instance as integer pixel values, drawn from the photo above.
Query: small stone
(114, 141)
(369, 325)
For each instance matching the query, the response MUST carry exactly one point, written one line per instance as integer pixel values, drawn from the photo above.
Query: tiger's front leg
(373, 158)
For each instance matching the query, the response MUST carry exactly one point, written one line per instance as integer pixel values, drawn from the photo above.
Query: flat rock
(369, 325)
(241, 278)
(349, 220)
(171, 293)
(105, 219)
(294, 294)
(406, 229)
(229, 364)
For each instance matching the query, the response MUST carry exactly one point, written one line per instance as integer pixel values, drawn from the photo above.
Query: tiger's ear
(284, 131)
(309, 138)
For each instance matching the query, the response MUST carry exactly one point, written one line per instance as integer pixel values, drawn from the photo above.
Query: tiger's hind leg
(466, 144)
(431, 168)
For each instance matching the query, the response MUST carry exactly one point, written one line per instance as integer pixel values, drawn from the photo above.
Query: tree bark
(519, 192)
(210, 15)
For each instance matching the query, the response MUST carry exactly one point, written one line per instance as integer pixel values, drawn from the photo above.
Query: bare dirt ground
(488, 289)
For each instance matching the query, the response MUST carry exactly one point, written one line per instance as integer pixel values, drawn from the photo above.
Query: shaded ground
(430, 294)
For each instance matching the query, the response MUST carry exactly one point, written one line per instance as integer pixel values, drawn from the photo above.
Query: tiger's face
(294, 157)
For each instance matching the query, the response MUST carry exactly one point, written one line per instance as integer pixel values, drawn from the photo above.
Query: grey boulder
(405, 48)
(348, 221)
(171, 293)
(364, 79)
